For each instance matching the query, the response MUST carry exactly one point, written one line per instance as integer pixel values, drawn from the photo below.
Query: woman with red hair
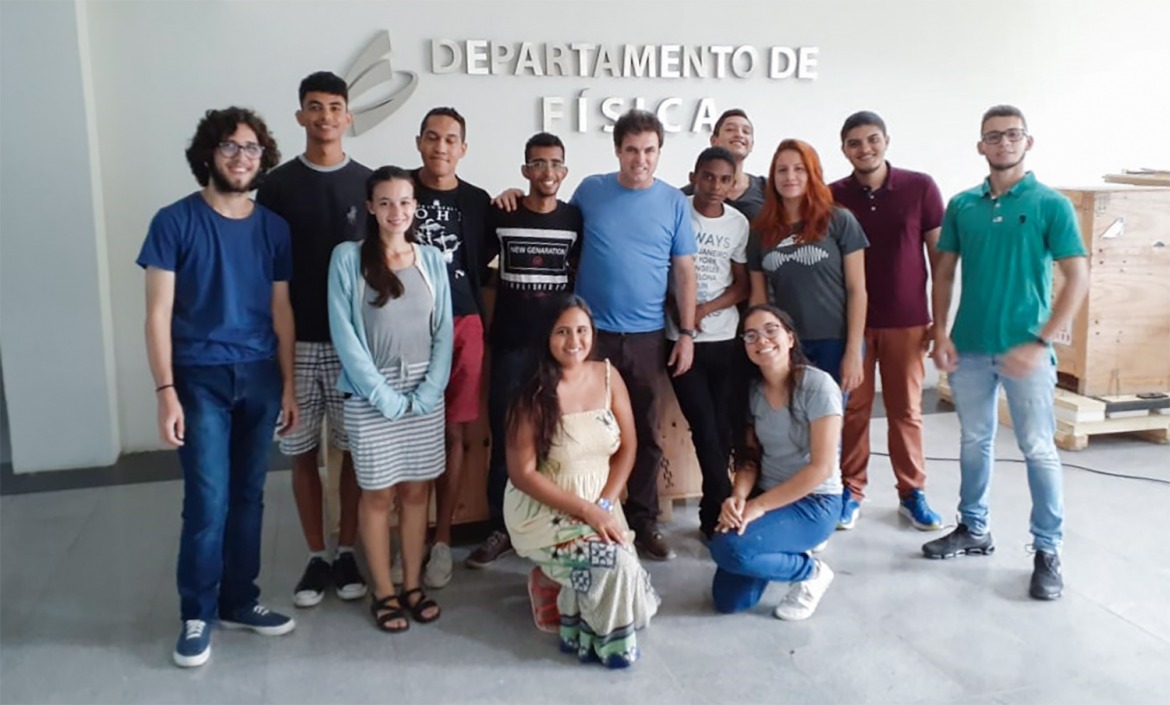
(806, 257)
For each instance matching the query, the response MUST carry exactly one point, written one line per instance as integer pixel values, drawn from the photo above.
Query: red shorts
(462, 395)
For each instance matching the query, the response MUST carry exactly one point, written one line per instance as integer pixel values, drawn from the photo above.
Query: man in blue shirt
(638, 235)
(220, 337)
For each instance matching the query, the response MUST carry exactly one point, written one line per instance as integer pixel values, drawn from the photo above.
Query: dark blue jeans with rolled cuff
(230, 413)
(774, 547)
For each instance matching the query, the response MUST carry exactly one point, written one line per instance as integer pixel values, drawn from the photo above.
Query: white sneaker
(437, 572)
(803, 597)
(820, 546)
(396, 572)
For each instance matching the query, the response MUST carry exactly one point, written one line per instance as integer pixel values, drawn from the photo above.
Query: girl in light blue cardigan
(390, 319)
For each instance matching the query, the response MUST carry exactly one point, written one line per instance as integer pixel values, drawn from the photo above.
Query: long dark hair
(537, 402)
(374, 268)
(750, 376)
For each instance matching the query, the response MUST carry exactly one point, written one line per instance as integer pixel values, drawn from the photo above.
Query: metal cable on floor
(1095, 471)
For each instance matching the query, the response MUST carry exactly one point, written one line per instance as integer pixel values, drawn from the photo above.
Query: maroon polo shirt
(895, 218)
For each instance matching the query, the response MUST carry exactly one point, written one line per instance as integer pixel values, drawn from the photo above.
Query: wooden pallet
(1080, 417)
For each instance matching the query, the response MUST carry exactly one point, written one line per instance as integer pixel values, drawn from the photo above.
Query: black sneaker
(1047, 584)
(311, 589)
(958, 542)
(347, 579)
(652, 544)
(497, 545)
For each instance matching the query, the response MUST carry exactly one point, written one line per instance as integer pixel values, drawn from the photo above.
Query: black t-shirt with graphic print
(538, 256)
(324, 206)
(439, 222)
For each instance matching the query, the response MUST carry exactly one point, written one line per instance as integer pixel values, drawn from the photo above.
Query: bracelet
(165, 386)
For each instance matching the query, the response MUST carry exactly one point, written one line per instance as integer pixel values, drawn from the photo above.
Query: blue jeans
(511, 368)
(975, 386)
(775, 547)
(230, 412)
(825, 355)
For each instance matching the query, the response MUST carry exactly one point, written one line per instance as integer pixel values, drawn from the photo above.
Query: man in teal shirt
(1007, 231)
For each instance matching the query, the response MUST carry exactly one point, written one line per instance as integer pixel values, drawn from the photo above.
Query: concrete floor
(89, 611)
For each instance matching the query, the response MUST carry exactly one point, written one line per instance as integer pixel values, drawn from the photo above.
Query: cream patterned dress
(606, 594)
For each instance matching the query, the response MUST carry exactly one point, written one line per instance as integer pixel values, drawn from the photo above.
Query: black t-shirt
(750, 201)
(538, 255)
(324, 206)
(439, 222)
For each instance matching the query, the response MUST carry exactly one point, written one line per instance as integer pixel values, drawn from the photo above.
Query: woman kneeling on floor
(390, 318)
(570, 450)
(786, 498)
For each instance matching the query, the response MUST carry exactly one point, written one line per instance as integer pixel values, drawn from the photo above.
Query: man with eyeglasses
(1007, 232)
(220, 339)
(452, 216)
(538, 245)
(322, 195)
(734, 132)
(901, 212)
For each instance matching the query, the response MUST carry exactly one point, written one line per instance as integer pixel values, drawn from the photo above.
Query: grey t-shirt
(808, 280)
(400, 331)
(784, 435)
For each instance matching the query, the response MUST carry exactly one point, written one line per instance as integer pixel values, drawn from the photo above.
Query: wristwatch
(605, 504)
(688, 332)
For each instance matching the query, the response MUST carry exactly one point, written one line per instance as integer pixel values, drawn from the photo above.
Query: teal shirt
(1006, 247)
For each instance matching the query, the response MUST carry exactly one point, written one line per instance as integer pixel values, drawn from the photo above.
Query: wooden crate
(1119, 342)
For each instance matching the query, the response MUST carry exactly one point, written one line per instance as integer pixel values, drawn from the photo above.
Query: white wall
(55, 324)
(1088, 75)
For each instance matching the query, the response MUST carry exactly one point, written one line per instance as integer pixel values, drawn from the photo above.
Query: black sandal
(420, 606)
(386, 610)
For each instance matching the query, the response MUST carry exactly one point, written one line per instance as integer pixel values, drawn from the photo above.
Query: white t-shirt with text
(721, 241)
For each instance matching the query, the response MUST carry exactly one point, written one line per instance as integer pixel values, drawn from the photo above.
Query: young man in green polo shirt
(1007, 232)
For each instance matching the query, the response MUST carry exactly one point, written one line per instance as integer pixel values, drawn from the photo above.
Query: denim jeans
(774, 547)
(975, 386)
(511, 368)
(230, 413)
(703, 394)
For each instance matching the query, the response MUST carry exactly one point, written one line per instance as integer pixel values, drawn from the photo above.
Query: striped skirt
(385, 452)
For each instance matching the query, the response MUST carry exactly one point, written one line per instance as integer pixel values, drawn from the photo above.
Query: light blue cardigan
(359, 375)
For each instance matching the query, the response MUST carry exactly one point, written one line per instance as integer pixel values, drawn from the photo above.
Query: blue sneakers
(919, 512)
(194, 645)
(850, 510)
(260, 620)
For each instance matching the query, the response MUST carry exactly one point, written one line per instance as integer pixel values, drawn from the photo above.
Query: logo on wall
(371, 70)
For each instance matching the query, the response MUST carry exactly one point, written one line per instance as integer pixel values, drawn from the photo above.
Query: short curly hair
(218, 125)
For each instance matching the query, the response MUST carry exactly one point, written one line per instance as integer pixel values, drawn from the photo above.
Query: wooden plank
(1158, 179)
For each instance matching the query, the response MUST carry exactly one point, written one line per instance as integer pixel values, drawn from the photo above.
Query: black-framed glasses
(771, 331)
(545, 165)
(1013, 135)
(230, 149)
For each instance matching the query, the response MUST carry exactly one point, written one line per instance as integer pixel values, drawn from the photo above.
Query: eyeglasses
(545, 165)
(1013, 135)
(771, 331)
(231, 149)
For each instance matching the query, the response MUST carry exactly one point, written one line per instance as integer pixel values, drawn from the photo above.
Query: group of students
(355, 295)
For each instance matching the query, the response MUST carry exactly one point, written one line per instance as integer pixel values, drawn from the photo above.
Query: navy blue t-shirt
(224, 270)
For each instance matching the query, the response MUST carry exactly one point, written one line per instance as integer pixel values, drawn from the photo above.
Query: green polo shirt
(1006, 247)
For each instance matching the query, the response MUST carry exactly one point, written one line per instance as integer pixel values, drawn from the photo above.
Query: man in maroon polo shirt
(901, 212)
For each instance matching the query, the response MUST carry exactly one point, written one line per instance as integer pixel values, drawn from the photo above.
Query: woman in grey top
(787, 493)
